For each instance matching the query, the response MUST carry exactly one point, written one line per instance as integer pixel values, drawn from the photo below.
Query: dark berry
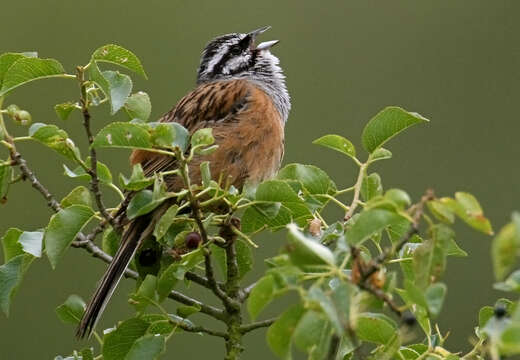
(193, 240)
(500, 311)
(409, 319)
(148, 257)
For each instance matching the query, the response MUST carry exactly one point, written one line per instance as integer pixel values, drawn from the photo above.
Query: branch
(357, 191)
(200, 329)
(228, 302)
(244, 329)
(92, 171)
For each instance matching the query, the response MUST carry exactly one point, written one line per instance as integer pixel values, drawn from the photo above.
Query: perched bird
(241, 95)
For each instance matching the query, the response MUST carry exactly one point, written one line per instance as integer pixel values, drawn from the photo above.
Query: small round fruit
(193, 240)
(12, 110)
(23, 117)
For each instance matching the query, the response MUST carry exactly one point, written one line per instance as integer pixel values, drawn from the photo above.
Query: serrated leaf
(142, 203)
(79, 173)
(120, 88)
(312, 335)
(380, 154)
(118, 55)
(370, 222)
(165, 222)
(138, 106)
(63, 110)
(147, 347)
(54, 138)
(387, 124)
(202, 137)
(306, 252)
(110, 242)
(32, 242)
(467, 208)
(6, 60)
(117, 343)
(338, 143)
(71, 311)
(63, 228)
(374, 327)
(261, 295)
(176, 271)
(26, 69)
(504, 250)
(280, 333)
(10, 245)
(78, 196)
(137, 180)
(11, 276)
(434, 296)
(123, 135)
(313, 179)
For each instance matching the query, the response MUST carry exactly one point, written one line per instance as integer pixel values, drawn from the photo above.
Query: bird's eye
(236, 50)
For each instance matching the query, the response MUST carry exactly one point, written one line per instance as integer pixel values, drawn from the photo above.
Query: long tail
(133, 236)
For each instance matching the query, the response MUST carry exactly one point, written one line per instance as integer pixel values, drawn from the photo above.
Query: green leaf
(117, 343)
(467, 208)
(435, 295)
(370, 222)
(312, 335)
(376, 328)
(26, 69)
(485, 313)
(120, 87)
(510, 340)
(5, 178)
(186, 311)
(293, 207)
(170, 135)
(138, 106)
(146, 292)
(147, 347)
(110, 242)
(261, 295)
(10, 245)
(31, 242)
(380, 154)
(338, 143)
(78, 196)
(137, 180)
(313, 179)
(202, 137)
(441, 211)
(71, 311)
(6, 60)
(118, 55)
(54, 138)
(327, 306)
(63, 110)
(387, 124)
(165, 221)
(63, 228)
(79, 173)
(414, 295)
(123, 135)
(11, 276)
(306, 252)
(504, 250)
(512, 283)
(162, 327)
(176, 271)
(142, 203)
(87, 354)
(280, 333)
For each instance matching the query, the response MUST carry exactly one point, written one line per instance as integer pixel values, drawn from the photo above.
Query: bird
(242, 96)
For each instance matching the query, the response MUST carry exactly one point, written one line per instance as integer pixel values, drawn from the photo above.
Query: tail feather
(133, 236)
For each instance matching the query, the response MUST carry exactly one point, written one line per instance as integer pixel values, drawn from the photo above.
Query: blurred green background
(455, 62)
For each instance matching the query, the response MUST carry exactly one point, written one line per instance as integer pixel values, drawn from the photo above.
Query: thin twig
(200, 329)
(244, 329)
(357, 191)
(92, 171)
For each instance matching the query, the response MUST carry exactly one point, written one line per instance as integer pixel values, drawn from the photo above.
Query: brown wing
(245, 125)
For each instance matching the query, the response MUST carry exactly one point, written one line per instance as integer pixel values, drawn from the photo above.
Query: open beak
(266, 45)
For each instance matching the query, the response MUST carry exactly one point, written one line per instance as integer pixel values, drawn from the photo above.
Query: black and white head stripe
(236, 56)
